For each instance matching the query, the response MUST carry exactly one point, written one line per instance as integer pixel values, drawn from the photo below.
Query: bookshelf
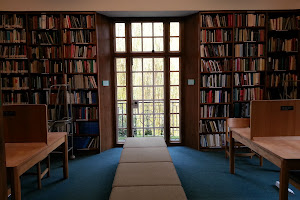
(283, 55)
(215, 77)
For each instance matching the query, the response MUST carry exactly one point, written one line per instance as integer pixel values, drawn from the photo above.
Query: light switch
(191, 81)
(105, 83)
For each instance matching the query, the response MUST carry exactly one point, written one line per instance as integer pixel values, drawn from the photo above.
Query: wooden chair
(238, 123)
(295, 179)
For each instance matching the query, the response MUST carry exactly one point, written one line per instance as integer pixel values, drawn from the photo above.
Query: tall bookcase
(40, 49)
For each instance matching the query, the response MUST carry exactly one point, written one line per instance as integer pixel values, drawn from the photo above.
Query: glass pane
(136, 29)
(159, 107)
(158, 64)
(174, 134)
(137, 79)
(122, 121)
(122, 134)
(148, 121)
(174, 64)
(174, 92)
(139, 110)
(147, 29)
(148, 107)
(174, 120)
(174, 44)
(158, 29)
(147, 44)
(159, 132)
(174, 106)
(174, 29)
(121, 107)
(174, 78)
(136, 64)
(120, 29)
(138, 132)
(149, 132)
(159, 120)
(148, 78)
(148, 93)
(121, 64)
(158, 44)
(159, 93)
(147, 64)
(158, 78)
(120, 45)
(136, 44)
(138, 121)
(137, 93)
(121, 93)
(121, 79)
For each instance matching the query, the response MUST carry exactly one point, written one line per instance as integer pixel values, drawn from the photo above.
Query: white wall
(145, 5)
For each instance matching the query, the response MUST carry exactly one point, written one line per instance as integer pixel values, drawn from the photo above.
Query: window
(120, 45)
(174, 36)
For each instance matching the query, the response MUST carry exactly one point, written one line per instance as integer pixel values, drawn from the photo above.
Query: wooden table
(22, 156)
(283, 151)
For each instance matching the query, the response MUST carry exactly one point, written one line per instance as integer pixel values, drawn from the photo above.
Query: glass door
(148, 97)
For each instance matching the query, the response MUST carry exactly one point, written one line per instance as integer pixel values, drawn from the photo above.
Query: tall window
(144, 70)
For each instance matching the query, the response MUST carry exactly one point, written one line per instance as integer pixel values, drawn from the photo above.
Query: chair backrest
(237, 123)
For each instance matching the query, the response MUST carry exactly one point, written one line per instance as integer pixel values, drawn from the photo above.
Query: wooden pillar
(3, 180)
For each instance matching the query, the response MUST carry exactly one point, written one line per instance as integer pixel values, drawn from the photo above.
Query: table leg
(284, 181)
(39, 176)
(231, 153)
(65, 158)
(15, 184)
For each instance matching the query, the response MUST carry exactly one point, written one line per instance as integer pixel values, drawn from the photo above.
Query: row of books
(13, 66)
(52, 37)
(44, 82)
(87, 128)
(211, 126)
(13, 36)
(85, 113)
(12, 21)
(81, 66)
(215, 50)
(246, 79)
(241, 110)
(214, 111)
(216, 20)
(74, 51)
(40, 97)
(82, 82)
(247, 35)
(279, 44)
(214, 96)
(218, 35)
(15, 83)
(85, 143)
(79, 21)
(14, 98)
(212, 140)
(289, 93)
(282, 63)
(275, 80)
(216, 80)
(283, 23)
(78, 36)
(56, 113)
(247, 94)
(43, 52)
(247, 50)
(257, 64)
(46, 66)
(44, 22)
(82, 97)
(250, 20)
(215, 65)
(17, 51)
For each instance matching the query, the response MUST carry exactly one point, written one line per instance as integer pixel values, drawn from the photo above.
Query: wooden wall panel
(107, 129)
(268, 118)
(3, 182)
(190, 92)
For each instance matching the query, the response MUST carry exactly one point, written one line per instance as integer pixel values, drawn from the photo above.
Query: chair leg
(39, 175)
(261, 159)
(226, 149)
(48, 166)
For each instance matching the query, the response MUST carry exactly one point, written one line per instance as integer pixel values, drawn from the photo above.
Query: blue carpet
(204, 175)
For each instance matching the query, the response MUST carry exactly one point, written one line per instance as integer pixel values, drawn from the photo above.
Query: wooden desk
(283, 151)
(22, 156)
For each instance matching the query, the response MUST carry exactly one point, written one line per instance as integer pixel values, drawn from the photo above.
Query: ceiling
(147, 13)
